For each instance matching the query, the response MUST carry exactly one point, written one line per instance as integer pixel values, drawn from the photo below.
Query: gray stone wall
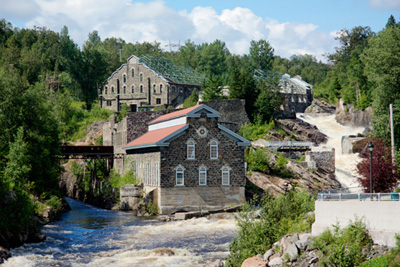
(137, 85)
(145, 166)
(233, 112)
(229, 154)
(321, 158)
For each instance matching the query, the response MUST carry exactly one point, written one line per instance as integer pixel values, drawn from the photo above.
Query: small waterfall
(345, 163)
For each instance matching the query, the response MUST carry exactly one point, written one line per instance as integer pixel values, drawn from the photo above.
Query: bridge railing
(287, 144)
(358, 196)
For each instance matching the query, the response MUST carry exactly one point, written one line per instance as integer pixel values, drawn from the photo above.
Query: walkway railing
(358, 196)
(295, 145)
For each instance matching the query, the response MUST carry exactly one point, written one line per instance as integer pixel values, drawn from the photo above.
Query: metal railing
(358, 196)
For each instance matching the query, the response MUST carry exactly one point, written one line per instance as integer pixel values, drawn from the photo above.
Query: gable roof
(192, 112)
(156, 138)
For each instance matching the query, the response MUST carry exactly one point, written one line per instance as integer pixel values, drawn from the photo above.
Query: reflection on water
(89, 236)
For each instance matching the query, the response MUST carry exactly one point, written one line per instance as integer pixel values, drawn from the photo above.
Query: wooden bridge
(87, 152)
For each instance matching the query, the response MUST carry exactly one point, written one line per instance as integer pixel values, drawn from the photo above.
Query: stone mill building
(186, 159)
(148, 81)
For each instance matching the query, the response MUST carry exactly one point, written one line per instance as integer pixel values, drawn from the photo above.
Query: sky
(292, 27)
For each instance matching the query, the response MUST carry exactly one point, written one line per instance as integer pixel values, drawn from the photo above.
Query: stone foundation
(130, 196)
(199, 198)
(321, 158)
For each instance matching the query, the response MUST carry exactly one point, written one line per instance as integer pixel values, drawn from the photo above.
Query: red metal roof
(153, 137)
(175, 114)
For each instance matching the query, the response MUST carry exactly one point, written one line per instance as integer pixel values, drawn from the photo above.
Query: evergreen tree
(391, 22)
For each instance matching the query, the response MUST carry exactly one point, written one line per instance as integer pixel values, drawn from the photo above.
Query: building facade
(188, 161)
(147, 82)
(297, 94)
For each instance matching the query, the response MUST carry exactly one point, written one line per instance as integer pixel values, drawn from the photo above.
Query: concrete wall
(321, 158)
(382, 218)
(199, 198)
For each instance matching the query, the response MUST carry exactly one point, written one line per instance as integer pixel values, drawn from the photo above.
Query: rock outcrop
(302, 131)
(353, 143)
(348, 115)
(320, 106)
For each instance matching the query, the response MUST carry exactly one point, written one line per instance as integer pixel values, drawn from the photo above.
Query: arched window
(202, 176)
(124, 89)
(133, 73)
(225, 175)
(160, 88)
(105, 90)
(141, 77)
(124, 78)
(191, 148)
(154, 88)
(180, 175)
(133, 88)
(112, 89)
(141, 88)
(214, 149)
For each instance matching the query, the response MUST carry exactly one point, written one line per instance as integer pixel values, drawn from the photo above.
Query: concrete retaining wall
(382, 218)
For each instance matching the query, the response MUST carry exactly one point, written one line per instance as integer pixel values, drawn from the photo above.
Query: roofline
(242, 141)
(161, 143)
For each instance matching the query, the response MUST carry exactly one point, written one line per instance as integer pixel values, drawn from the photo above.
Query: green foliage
(152, 208)
(191, 100)
(257, 160)
(279, 216)
(344, 247)
(116, 180)
(55, 202)
(122, 113)
(253, 132)
(261, 54)
(391, 259)
(282, 161)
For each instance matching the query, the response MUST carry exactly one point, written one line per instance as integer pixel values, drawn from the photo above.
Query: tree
(191, 100)
(384, 173)
(382, 67)
(268, 100)
(261, 55)
(391, 22)
(212, 89)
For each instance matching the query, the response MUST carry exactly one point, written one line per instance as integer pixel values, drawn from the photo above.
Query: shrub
(257, 160)
(256, 131)
(344, 247)
(278, 217)
(116, 180)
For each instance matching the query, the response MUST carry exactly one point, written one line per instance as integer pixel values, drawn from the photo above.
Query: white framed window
(202, 175)
(191, 149)
(180, 175)
(213, 149)
(225, 175)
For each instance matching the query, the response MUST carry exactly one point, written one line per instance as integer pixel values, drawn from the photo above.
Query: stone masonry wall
(137, 123)
(321, 159)
(233, 112)
(229, 154)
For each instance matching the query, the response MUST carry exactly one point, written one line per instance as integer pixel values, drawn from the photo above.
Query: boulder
(291, 253)
(217, 263)
(348, 115)
(303, 242)
(288, 240)
(4, 254)
(302, 131)
(268, 254)
(320, 106)
(255, 262)
(353, 144)
(276, 261)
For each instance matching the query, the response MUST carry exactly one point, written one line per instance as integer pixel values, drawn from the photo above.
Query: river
(89, 236)
(345, 163)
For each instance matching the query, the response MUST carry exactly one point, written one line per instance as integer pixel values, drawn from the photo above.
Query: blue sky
(291, 26)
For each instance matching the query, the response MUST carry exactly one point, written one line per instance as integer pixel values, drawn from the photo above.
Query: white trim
(225, 170)
(182, 171)
(214, 144)
(166, 124)
(202, 171)
(191, 144)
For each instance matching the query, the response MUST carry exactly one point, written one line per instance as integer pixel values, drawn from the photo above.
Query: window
(225, 175)
(105, 90)
(214, 149)
(202, 176)
(191, 148)
(109, 104)
(160, 88)
(154, 88)
(124, 89)
(141, 77)
(141, 88)
(158, 101)
(112, 89)
(124, 78)
(133, 73)
(133, 88)
(180, 175)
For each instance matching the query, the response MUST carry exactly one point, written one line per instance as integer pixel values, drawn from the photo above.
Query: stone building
(188, 161)
(297, 94)
(148, 81)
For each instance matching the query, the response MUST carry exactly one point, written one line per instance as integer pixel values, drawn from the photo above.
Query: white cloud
(385, 4)
(23, 9)
(154, 21)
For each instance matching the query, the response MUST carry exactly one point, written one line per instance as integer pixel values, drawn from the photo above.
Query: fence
(358, 196)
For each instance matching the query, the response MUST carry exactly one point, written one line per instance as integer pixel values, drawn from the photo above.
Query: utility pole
(392, 133)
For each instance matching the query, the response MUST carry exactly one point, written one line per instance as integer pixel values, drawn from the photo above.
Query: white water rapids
(345, 163)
